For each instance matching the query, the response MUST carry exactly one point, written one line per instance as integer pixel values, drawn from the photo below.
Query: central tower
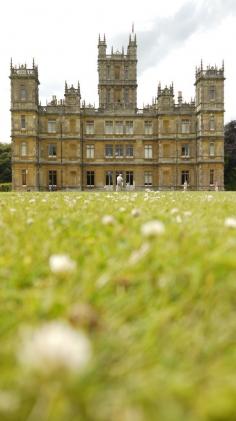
(117, 86)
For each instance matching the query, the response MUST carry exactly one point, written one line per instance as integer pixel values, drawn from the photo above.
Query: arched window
(212, 122)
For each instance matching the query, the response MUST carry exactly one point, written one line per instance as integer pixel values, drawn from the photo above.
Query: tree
(230, 155)
(5, 163)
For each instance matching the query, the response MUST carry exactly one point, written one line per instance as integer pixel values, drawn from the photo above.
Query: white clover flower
(32, 201)
(29, 221)
(188, 213)
(178, 219)
(174, 210)
(137, 255)
(135, 212)
(61, 264)
(54, 346)
(12, 210)
(230, 222)
(108, 220)
(152, 228)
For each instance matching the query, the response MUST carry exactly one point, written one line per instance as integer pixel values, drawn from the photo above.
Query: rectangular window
(166, 126)
(52, 126)
(126, 72)
(129, 127)
(166, 151)
(211, 177)
(23, 177)
(90, 151)
(185, 126)
(119, 151)
(185, 151)
(129, 178)
(108, 151)
(52, 150)
(22, 122)
(212, 123)
(117, 72)
(108, 127)
(148, 151)
(148, 128)
(52, 178)
(89, 127)
(72, 125)
(212, 149)
(23, 149)
(185, 177)
(126, 95)
(212, 93)
(109, 178)
(90, 178)
(22, 93)
(129, 151)
(119, 127)
(148, 178)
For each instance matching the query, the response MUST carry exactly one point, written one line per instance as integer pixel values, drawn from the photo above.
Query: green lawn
(156, 311)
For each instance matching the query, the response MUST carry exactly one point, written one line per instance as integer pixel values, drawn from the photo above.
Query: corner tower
(117, 86)
(24, 123)
(210, 125)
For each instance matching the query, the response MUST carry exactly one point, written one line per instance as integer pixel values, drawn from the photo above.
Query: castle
(67, 144)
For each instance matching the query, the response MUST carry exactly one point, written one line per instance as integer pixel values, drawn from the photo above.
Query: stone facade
(67, 144)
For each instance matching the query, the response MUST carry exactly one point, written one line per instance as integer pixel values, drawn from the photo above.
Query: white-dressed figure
(185, 185)
(119, 182)
(216, 186)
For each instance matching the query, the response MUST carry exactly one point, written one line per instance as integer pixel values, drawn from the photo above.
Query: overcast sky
(172, 35)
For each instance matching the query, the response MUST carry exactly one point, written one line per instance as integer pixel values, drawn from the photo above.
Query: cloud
(168, 33)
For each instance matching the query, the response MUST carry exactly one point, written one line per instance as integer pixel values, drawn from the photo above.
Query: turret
(72, 95)
(102, 47)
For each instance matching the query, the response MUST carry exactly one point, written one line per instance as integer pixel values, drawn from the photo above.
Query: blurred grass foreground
(118, 306)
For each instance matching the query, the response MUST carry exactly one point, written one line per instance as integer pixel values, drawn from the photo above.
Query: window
(148, 151)
(109, 178)
(52, 150)
(166, 151)
(211, 177)
(72, 125)
(23, 149)
(108, 151)
(129, 127)
(185, 126)
(22, 93)
(90, 178)
(22, 122)
(108, 72)
(212, 149)
(148, 178)
(119, 151)
(212, 123)
(185, 151)
(119, 127)
(108, 95)
(126, 95)
(148, 127)
(23, 177)
(108, 127)
(129, 179)
(52, 128)
(89, 127)
(212, 93)
(117, 95)
(166, 126)
(52, 178)
(90, 151)
(117, 72)
(129, 151)
(185, 177)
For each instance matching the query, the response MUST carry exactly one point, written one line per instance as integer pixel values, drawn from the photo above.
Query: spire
(66, 87)
(133, 27)
(99, 39)
(33, 63)
(201, 64)
(11, 66)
